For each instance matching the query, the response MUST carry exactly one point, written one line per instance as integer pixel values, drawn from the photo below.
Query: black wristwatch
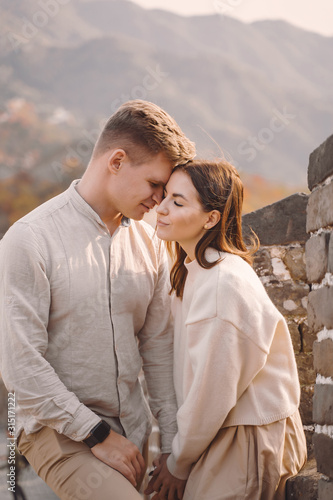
(98, 434)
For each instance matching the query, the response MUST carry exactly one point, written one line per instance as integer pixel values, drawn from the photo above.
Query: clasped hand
(166, 486)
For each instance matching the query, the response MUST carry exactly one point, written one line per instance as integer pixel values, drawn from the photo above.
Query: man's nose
(162, 207)
(158, 195)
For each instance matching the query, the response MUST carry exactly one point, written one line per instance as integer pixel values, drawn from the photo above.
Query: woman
(240, 435)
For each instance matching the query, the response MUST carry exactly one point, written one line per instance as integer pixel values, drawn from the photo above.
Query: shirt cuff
(167, 423)
(84, 420)
(166, 441)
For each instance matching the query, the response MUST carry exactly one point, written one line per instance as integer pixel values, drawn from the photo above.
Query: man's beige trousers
(71, 470)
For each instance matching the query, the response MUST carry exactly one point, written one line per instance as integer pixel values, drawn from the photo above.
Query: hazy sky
(313, 15)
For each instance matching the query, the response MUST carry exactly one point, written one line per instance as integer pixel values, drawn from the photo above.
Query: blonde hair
(143, 130)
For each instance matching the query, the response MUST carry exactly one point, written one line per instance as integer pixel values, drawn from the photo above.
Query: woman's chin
(161, 236)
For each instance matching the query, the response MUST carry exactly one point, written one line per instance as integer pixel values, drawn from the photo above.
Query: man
(84, 302)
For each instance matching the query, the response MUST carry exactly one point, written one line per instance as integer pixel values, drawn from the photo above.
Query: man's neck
(110, 217)
(113, 224)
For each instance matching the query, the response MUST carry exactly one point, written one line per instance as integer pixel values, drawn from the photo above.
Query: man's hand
(122, 455)
(164, 483)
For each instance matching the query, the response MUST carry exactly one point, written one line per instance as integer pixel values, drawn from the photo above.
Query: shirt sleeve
(156, 349)
(219, 357)
(25, 299)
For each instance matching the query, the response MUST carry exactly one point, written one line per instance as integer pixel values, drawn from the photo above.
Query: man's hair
(142, 129)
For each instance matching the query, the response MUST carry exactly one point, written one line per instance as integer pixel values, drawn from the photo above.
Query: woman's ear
(213, 218)
(116, 160)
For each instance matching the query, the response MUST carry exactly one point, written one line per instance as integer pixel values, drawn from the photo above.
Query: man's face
(138, 188)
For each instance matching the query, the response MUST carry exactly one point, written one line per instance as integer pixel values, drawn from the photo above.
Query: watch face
(102, 431)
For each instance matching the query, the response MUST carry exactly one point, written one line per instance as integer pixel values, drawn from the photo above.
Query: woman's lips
(161, 223)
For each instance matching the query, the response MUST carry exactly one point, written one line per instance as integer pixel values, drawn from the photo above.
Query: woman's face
(180, 216)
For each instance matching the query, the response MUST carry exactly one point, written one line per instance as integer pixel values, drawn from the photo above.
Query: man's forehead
(160, 177)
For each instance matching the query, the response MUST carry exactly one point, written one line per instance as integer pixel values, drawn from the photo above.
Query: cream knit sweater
(234, 362)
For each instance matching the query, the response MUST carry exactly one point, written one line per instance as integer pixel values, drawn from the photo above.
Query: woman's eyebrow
(176, 195)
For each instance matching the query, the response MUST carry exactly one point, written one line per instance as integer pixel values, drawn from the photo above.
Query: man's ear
(116, 160)
(213, 218)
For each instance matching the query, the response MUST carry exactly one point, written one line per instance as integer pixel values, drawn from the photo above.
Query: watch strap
(98, 434)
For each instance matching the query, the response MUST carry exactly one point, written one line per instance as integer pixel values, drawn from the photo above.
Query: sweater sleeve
(224, 362)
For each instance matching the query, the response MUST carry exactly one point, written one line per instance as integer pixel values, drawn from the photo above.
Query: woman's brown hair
(219, 188)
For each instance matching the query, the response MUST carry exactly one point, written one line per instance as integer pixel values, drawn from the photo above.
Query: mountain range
(261, 93)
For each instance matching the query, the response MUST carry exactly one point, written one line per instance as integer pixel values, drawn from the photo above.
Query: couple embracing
(87, 300)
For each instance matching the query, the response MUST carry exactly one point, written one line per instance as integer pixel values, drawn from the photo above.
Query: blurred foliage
(20, 194)
(259, 192)
(34, 165)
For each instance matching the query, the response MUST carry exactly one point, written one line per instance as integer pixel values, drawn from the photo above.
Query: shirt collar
(85, 208)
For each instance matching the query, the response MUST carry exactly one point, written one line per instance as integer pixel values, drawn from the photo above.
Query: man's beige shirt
(81, 312)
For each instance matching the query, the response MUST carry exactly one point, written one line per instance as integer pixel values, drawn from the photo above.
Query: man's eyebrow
(158, 182)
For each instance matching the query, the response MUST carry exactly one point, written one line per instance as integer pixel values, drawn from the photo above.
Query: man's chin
(139, 213)
(135, 216)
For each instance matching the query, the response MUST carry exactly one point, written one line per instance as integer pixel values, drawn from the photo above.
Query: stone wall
(284, 271)
(280, 264)
(319, 265)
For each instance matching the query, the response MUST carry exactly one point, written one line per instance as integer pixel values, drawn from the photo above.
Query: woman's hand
(166, 486)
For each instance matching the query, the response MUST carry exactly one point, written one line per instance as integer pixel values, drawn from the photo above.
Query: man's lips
(146, 207)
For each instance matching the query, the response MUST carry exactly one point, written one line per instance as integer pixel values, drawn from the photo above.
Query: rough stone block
(320, 310)
(295, 263)
(295, 336)
(288, 297)
(330, 254)
(323, 357)
(323, 446)
(320, 208)
(320, 163)
(281, 223)
(323, 404)
(307, 337)
(309, 443)
(262, 263)
(316, 249)
(325, 489)
(306, 373)
(304, 486)
(306, 404)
